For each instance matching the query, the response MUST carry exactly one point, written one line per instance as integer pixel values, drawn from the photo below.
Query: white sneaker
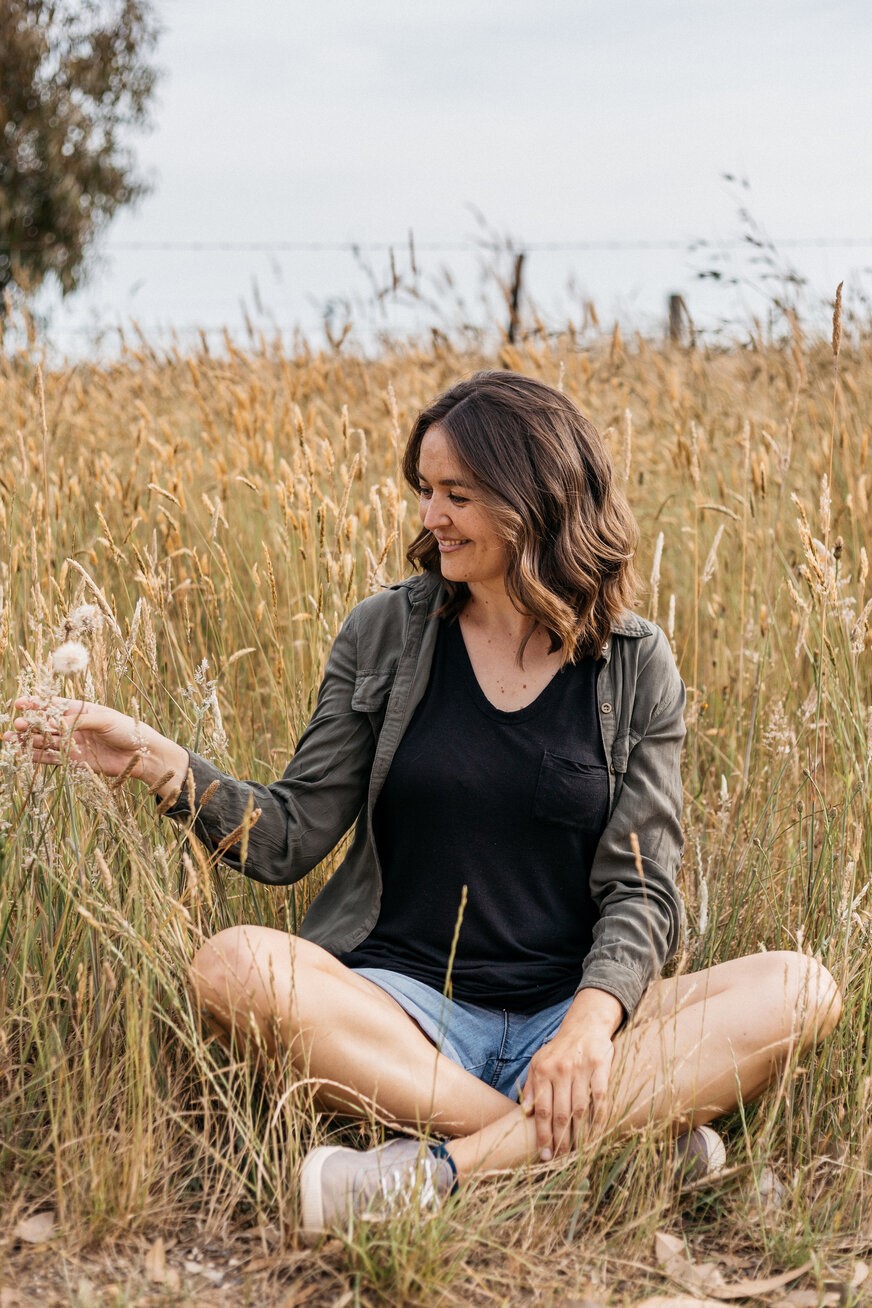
(698, 1153)
(401, 1176)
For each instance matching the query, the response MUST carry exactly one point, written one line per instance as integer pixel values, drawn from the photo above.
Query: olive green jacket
(375, 676)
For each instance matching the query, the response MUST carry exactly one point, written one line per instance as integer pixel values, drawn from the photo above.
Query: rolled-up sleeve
(296, 821)
(636, 895)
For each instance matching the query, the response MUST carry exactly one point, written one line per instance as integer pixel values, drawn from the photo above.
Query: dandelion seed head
(70, 658)
(82, 621)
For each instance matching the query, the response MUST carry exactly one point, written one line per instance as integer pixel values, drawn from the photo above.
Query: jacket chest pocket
(370, 695)
(621, 753)
(572, 794)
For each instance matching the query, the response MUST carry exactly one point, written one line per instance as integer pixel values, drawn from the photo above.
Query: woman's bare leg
(339, 1028)
(697, 1045)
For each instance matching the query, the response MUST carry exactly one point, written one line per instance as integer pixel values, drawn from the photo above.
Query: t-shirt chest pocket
(572, 794)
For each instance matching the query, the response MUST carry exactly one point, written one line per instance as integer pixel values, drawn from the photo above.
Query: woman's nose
(434, 512)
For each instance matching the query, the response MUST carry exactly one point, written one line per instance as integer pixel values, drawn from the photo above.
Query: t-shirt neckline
(481, 700)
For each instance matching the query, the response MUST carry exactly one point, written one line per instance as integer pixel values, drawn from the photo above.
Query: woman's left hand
(567, 1082)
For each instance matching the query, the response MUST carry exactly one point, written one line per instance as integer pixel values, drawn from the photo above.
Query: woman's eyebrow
(449, 481)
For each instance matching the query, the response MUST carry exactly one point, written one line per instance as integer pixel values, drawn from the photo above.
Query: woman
(504, 735)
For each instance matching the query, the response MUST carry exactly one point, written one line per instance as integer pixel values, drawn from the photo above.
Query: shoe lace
(403, 1187)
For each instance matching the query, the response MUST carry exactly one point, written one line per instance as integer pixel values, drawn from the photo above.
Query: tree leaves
(74, 76)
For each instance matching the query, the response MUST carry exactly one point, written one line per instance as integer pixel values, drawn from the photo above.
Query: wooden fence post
(679, 321)
(514, 298)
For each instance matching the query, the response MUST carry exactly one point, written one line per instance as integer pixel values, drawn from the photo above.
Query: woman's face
(470, 548)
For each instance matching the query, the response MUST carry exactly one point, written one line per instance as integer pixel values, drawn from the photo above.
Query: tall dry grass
(222, 512)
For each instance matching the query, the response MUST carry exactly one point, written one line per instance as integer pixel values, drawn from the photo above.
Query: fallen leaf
(36, 1229)
(764, 1285)
(670, 1253)
(677, 1301)
(156, 1263)
(861, 1271)
(809, 1299)
(666, 1244)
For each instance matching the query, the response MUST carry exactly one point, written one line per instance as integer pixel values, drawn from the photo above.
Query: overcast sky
(560, 120)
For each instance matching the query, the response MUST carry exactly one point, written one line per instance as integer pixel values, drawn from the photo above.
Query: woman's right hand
(100, 738)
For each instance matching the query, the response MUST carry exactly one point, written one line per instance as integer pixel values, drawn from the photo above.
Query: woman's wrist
(164, 766)
(593, 1007)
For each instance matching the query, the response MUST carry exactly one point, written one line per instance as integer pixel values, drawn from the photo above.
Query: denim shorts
(492, 1044)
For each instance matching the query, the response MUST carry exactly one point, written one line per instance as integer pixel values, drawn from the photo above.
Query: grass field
(219, 514)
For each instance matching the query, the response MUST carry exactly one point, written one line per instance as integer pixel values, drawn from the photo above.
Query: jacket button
(606, 708)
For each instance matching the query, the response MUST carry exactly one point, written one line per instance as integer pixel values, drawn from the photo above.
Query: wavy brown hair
(544, 474)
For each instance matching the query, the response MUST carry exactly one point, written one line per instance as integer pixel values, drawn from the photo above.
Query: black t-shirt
(509, 805)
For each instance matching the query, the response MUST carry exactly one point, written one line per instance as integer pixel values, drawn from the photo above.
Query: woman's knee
(220, 965)
(251, 966)
(811, 999)
(824, 1003)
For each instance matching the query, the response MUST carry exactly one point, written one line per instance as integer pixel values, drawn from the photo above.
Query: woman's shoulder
(646, 655)
(379, 623)
(389, 602)
(643, 642)
(634, 627)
